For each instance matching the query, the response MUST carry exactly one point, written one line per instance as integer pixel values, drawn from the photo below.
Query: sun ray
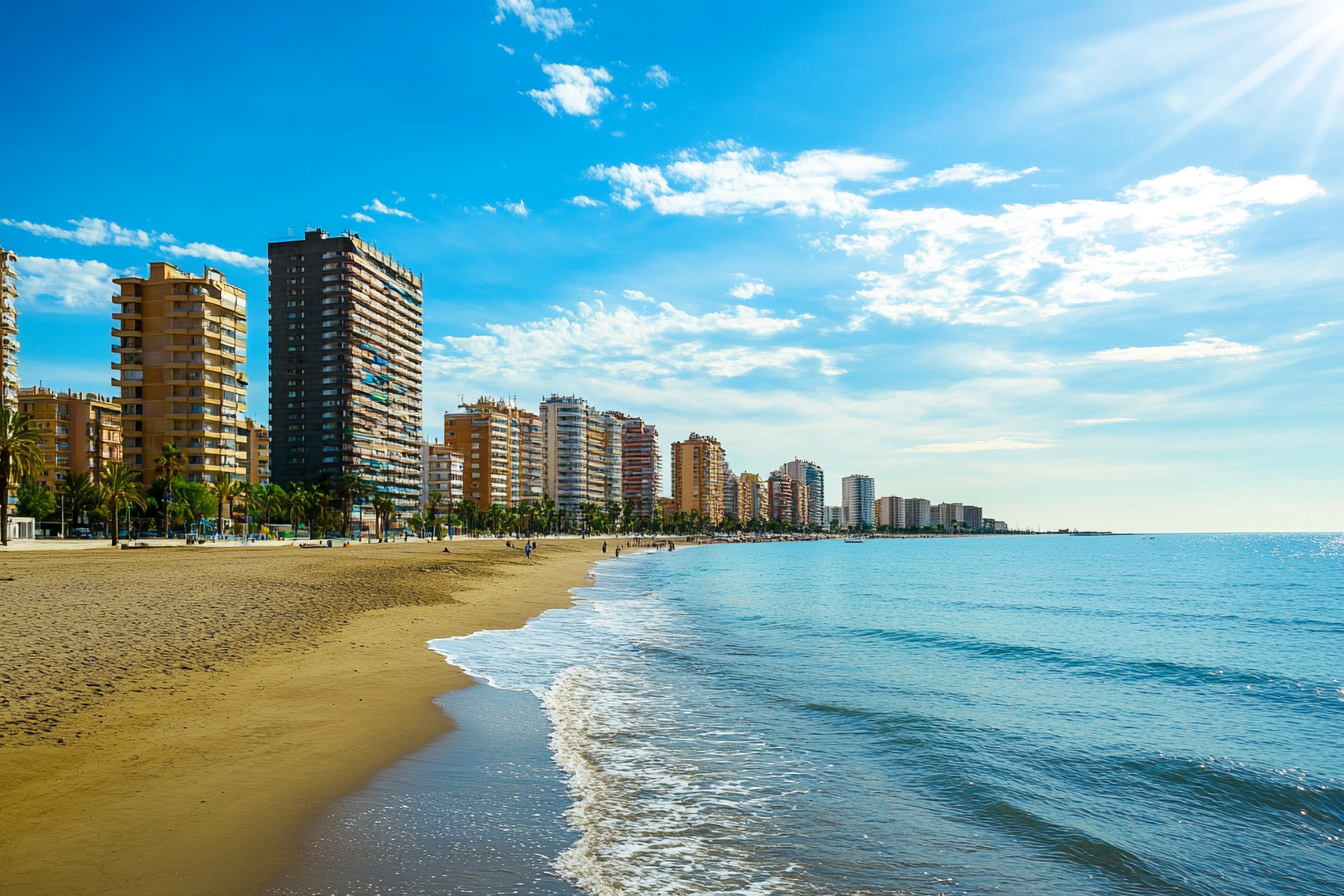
(1326, 118)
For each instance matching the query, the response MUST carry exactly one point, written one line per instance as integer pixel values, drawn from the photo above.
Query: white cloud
(92, 232)
(508, 50)
(737, 180)
(551, 22)
(648, 106)
(1316, 330)
(360, 216)
(215, 253)
(1192, 348)
(78, 285)
(584, 201)
(1002, 444)
(636, 295)
(979, 174)
(630, 344)
(658, 76)
(1038, 261)
(574, 89)
(1102, 421)
(750, 288)
(378, 206)
(517, 208)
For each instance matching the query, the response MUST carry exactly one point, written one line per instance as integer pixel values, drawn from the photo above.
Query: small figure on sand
(618, 553)
(604, 547)
(446, 551)
(527, 550)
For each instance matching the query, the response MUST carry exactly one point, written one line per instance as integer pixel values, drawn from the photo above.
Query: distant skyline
(1081, 267)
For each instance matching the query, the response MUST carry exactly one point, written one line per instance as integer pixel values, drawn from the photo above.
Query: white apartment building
(856, 500)
(441, 470)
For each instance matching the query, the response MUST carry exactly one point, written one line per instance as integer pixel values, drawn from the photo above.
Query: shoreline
(177, 734)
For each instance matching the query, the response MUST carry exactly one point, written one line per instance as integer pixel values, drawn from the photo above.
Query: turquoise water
(1010, 715)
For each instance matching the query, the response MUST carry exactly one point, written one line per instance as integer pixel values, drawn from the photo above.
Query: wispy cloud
(215, 253)
(1001, 444)
(636, 295)
(658, 76)
(508, 50)
(585, 201)
(1038, 261)
(551, 22)
(1316, 330)
(976, 173)
(1102, 421)
(92, 232)
(361, 217)
(574, 90)
(735, 180)
(516, 208)
(750, 288)
(1192, 349)
(378, 207)
(632, 344)
(84, 286)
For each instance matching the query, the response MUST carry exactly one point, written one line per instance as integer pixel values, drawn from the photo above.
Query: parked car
(81, 532)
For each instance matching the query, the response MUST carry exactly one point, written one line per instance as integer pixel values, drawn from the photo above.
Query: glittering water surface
(1006, 715)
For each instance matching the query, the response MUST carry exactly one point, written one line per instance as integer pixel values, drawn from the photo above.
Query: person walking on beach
(604, 547)
(527, 550)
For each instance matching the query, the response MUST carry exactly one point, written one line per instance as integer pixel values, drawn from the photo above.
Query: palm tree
(432, 505)
(225, 490)
(81, 495)
(351, 490)
(121, 486)
(20, 455)
(467, 508)
(169, 465)
(547, 508)
(384, 508)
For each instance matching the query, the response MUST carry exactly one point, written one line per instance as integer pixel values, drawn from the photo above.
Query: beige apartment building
(697, 476)
(258, 448)
(500, 446)
(81, 432)
(181, 346)
(752, 497)
(639, 464)
(441, 470)
(9, 329)
(583, 454)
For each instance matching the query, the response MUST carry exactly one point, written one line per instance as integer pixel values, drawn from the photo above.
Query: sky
(1083, 266)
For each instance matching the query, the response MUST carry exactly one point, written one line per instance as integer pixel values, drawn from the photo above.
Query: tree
(418, 524)
(20, 455)
(35, 500)
(224, 490)
(81, 495)
(121, 486)
(351, 490)
(384, 508)
(467, 508)
(169, 465)
(432, 505)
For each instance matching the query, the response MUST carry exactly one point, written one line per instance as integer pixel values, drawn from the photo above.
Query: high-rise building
(973, 517)
(917, 513)
(730, 493)
(890, 512)
(258, 452)
(181, 346)
(640, 460)
(489, 435)
(787, 497)
(946, 515)
(812, 477)
(346, 342)
(81, 432)
(830, 517)
(856, 501)
(751, 505)
(441, 469)
(583, 454)
(9, 329)
(697, 476)
(531, 456)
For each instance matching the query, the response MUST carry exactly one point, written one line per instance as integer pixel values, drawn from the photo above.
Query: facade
(917, 513)
(9, 329)
(890, 512)
(346, 342)
(489, 435)
(181, 345)
(697, 476)
(830, 516)
(258, 453)
(583, 454)
(786, 496)
(751, 503)
(856, 501)
(946, 515)
(730, 493)
(441, 469)
(531, 456)
(973, 516)
(640, 461)
(814, 480)
(1000, 526)
(81, 432)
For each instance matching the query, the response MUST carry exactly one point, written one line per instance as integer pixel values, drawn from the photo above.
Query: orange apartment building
(697, 476)
(81, 432)
(501, 450)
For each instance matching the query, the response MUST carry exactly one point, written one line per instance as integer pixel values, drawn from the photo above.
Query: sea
(1019, 715)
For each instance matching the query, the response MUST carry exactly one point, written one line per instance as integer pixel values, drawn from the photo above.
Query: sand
(170, 719)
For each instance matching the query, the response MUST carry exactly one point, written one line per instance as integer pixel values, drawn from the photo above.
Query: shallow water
(1005, 715)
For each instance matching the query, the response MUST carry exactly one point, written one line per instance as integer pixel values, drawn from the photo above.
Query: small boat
(854, 539)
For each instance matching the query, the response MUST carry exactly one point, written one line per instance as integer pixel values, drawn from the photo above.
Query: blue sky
(1081, 267)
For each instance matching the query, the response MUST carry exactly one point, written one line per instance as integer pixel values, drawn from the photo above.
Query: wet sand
(171, 719)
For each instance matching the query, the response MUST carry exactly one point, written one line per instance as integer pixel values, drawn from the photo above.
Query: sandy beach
(170, 719)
